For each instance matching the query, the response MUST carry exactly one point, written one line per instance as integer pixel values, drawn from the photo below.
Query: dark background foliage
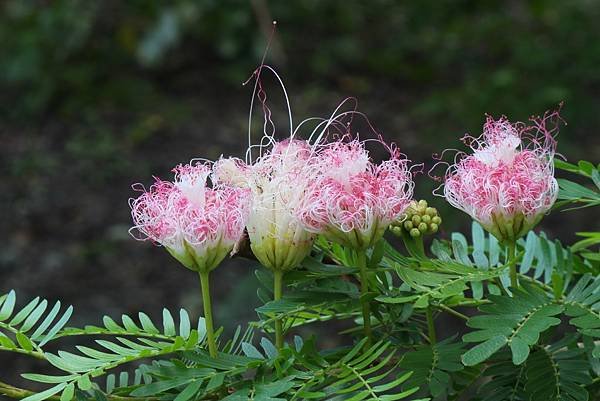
(98, 95)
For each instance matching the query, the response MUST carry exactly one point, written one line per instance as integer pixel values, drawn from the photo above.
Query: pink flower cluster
(352, 200)
(507, 183)
(197, 224)
(299, 189)
(287, 196)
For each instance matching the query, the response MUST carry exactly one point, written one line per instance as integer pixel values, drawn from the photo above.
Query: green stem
(35, 354)
(431, 325)
(364, 290)
(210, 333)
(453, 312)
(514, 281)
(277, 291)
(20, 393)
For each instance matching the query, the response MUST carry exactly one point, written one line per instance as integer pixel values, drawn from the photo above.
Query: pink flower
(352, 200)
(507, 184)
(197, 224)
(277, 182)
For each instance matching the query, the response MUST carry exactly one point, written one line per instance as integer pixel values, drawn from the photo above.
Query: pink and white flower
(278, 182)
(352, 200)
(197, 224)
(507, 184)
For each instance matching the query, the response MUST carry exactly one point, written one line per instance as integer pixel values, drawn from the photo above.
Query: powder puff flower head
(352, 200)
(507, 184)
(197, 224)
(277, 182)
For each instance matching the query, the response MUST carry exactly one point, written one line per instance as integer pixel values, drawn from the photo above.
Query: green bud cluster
(418, 219)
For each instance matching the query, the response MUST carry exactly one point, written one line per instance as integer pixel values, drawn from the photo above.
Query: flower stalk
(514, 281)
(277, 292)
(206, 302)
(364, 290)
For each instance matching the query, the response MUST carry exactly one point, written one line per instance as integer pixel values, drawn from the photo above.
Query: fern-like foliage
(28, 329)
(298, 372)
(582, 303)
(433, 366)
(557, 372)
(315, 294)
(148, 342)
(506, 380)
(441, 280)
(543, 259)
(574, 193)
(548, 261)
(515, 321)
(484, 253)
(371, 374)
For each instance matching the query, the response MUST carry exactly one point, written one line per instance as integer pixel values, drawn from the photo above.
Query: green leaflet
(449, 279)
(514, 321)
(31, 325)
(557, 373)
(582, 304)
(142, 344)
(433, 365)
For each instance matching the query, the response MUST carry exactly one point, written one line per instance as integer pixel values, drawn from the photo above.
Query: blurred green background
(98, 95)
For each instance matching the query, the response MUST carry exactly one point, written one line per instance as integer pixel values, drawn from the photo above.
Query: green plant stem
(277, 292)
(364, 290)
(210, 333)
(453, 312)
(514, 281)
(431, 325)
(537, 282)
(35, 354)
(20, 393)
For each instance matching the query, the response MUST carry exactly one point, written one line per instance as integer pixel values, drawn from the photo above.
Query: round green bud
(415, 233)
(433, 228)
(426, 219)
(408, 225)
(436, 220)
(423, 228)
(423, 203)
(416, 220)
(396, 230)
(431, 211)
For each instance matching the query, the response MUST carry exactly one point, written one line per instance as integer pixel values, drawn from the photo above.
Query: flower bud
(418, 219)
